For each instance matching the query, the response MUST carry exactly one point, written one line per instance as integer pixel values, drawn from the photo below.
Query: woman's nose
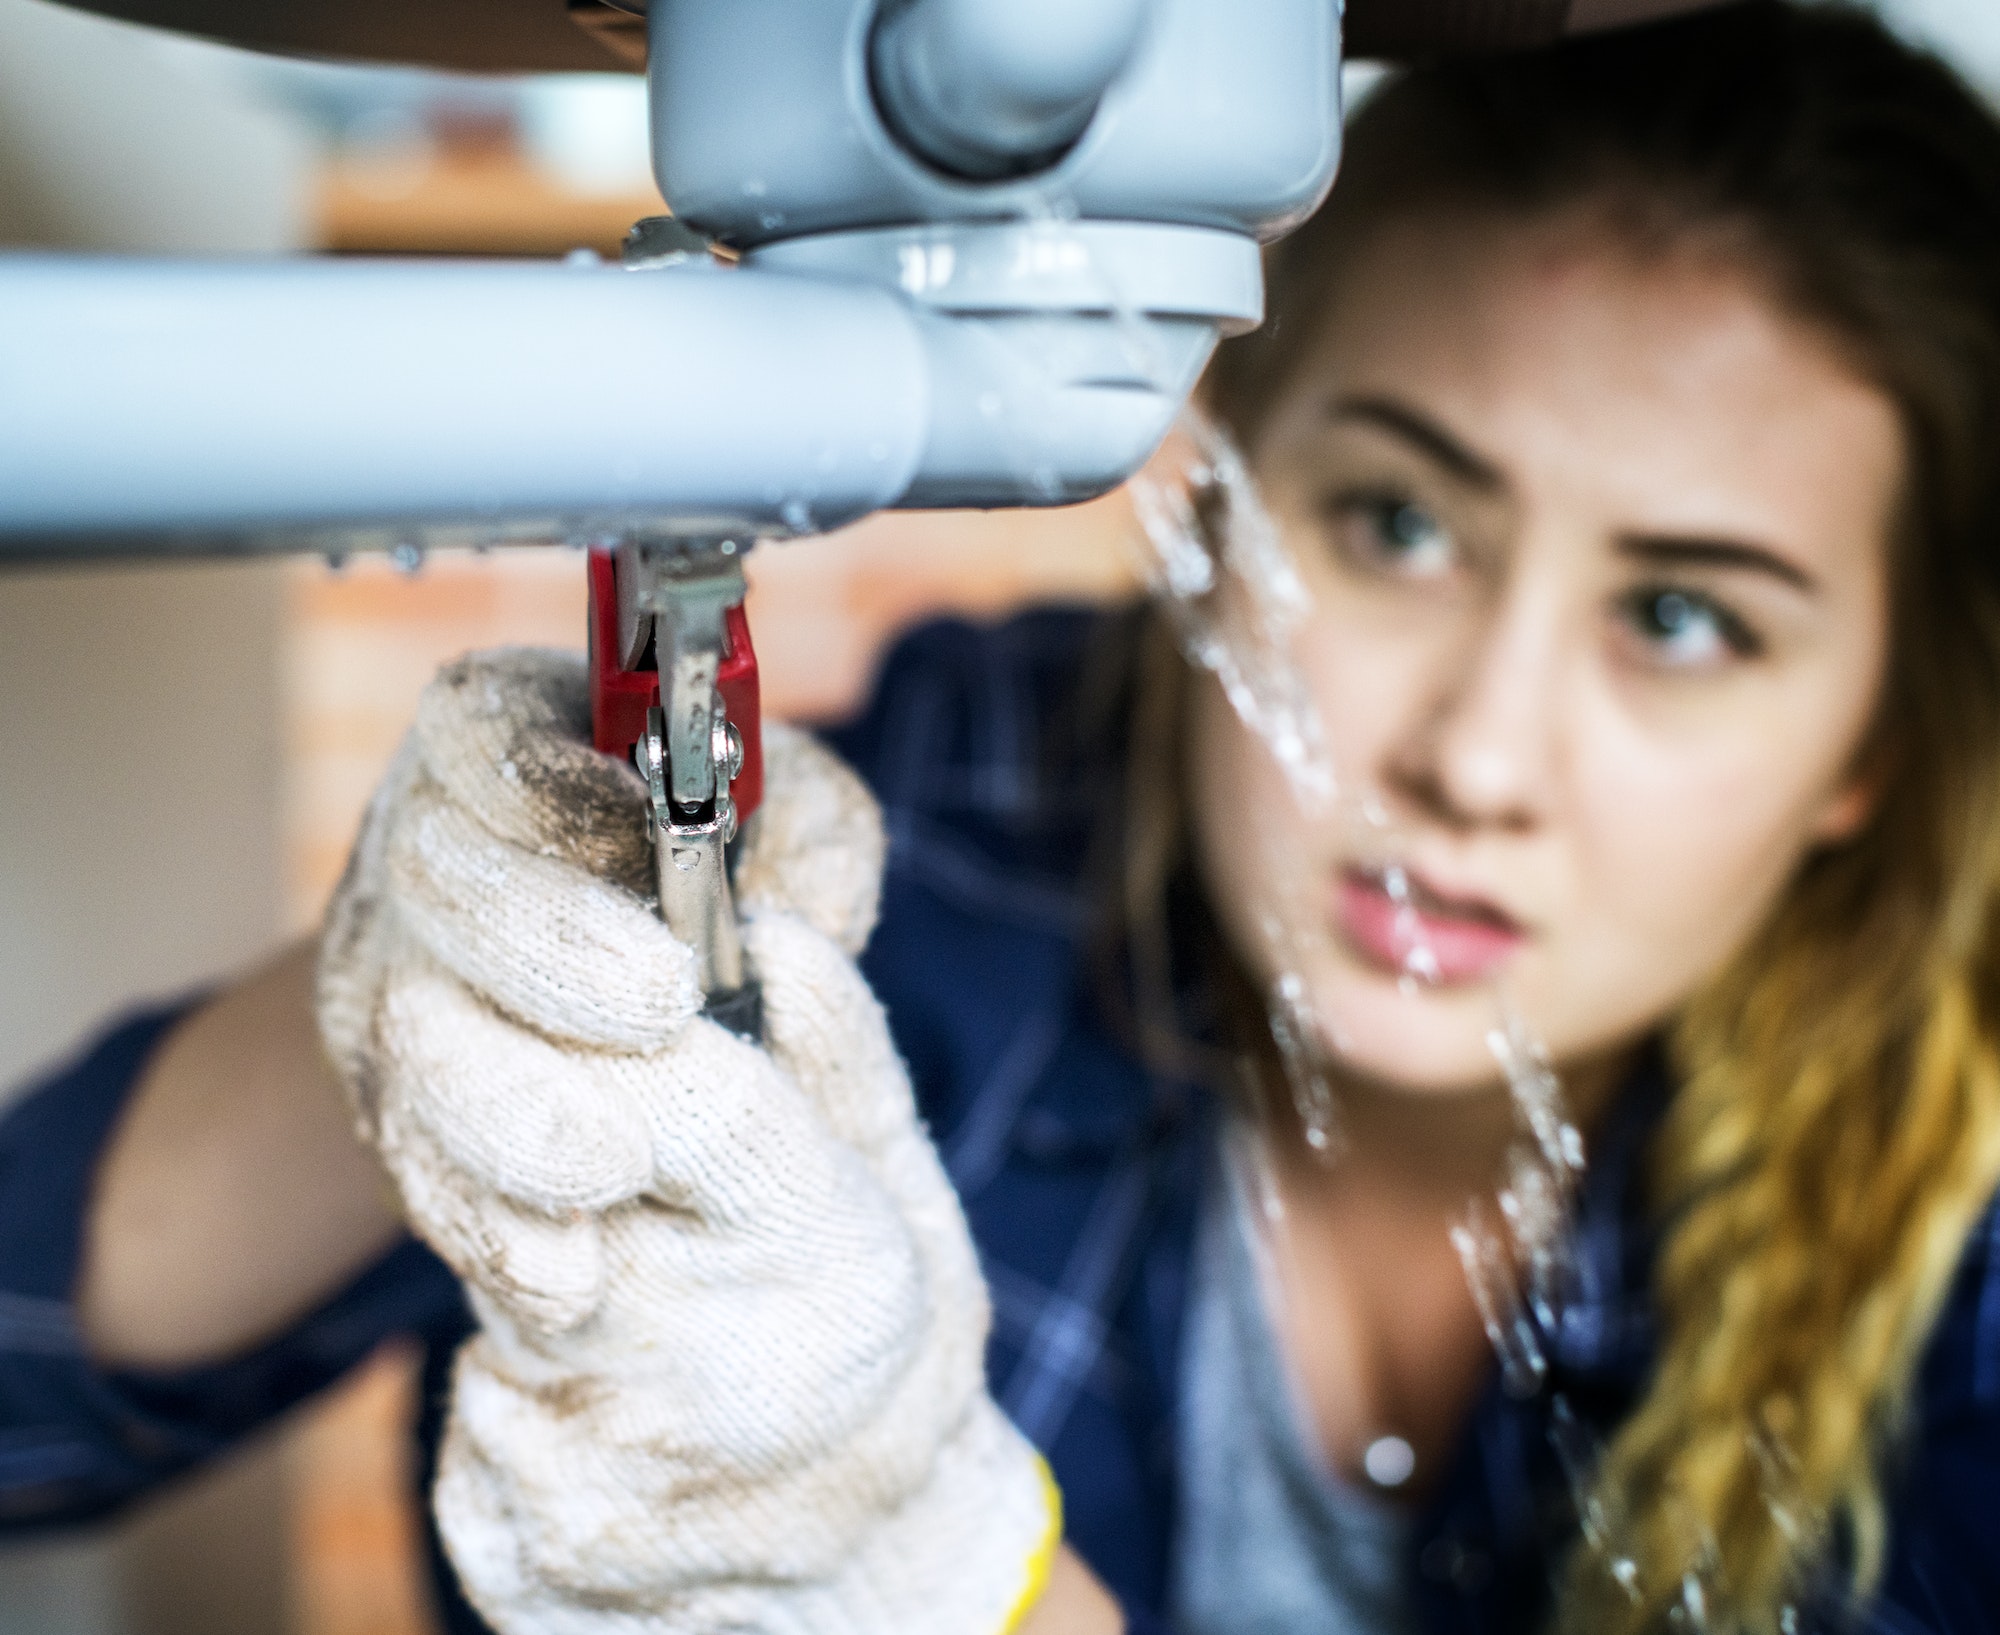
(1478, 750)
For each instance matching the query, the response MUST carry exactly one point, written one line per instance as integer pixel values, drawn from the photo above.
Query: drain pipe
(985, 91)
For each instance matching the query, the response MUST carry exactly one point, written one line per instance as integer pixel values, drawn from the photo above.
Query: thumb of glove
(814, 848)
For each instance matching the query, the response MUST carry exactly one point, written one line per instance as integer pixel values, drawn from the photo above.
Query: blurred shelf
(458, 201)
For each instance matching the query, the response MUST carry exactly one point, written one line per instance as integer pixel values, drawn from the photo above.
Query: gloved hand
(729, 1368)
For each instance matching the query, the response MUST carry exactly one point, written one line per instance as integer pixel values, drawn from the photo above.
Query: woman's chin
(1408, 1036)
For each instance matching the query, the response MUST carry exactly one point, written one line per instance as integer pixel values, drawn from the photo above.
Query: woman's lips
(1426, 934)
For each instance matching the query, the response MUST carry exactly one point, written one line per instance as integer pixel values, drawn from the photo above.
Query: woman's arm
(234, 1196)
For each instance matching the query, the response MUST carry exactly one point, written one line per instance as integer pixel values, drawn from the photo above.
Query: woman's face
(1599, 553)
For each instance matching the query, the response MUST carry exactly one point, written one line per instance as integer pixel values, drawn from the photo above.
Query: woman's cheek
(1371, 680)
(1681, 850)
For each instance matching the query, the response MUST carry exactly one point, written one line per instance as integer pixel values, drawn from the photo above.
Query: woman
(1628, 414)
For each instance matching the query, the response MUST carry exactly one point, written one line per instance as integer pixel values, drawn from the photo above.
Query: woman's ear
(1854, 801)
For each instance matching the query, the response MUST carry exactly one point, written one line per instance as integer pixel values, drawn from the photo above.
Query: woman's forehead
(1466, 289)
(1673, 384)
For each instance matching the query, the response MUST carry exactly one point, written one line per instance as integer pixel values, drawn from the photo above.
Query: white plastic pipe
(206, 399)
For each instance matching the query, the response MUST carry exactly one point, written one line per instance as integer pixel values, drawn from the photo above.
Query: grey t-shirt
(1272, 1541)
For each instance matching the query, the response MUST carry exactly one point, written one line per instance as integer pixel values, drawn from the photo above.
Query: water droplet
(336, 561)
(1389, 1461)
(1781, 1485)
(1236, 601)
(583, 256)
(1247, 1152)
(1572, 1147)
(1292, 1028)
(1694, 1600)
(1490, 1272)
(1421, 962)
(407, 555)
(1600, 1510)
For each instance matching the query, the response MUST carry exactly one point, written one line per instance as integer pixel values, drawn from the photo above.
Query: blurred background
(185, 750)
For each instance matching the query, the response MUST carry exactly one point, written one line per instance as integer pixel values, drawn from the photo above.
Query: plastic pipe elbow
(1055, 354)
(1049, 408)
(992, 88)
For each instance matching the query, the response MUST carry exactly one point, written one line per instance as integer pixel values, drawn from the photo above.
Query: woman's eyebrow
(1690, 551)
(1413, 426)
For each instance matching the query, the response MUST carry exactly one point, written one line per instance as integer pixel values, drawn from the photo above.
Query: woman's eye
(1686, 629)
(1389, 532)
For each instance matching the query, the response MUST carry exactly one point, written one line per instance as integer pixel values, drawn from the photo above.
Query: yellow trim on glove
(1042, 1563)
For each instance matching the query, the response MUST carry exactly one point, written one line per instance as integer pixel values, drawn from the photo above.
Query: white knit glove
(729, 1368)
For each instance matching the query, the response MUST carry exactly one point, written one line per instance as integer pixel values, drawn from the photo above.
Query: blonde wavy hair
(1836, 1130)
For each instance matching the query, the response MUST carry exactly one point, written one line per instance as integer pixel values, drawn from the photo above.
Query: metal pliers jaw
(674, 690)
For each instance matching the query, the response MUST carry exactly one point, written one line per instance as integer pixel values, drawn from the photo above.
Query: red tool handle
(619, 699)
